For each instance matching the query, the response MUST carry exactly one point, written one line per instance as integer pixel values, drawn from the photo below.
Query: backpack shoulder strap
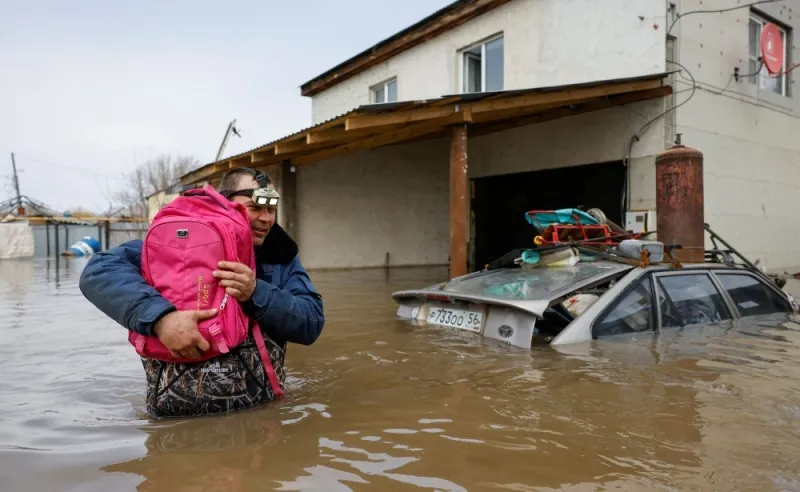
(267, 361)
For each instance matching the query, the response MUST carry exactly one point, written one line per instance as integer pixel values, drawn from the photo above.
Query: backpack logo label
(183, 233)
(215, 368)
(202, 293)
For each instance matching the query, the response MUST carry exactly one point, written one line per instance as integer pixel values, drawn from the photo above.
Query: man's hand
(178, 332)
(239, 281)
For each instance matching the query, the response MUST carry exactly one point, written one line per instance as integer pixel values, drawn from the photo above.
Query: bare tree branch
(150, 177)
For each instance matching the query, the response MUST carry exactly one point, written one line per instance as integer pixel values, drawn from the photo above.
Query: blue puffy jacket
(285, 303)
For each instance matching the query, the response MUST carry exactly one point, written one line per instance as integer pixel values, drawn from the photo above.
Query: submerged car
(589, 293)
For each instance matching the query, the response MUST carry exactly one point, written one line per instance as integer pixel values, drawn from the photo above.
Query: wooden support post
(458, 201)
(108, 235)
(57, 245)
(289, 198)
(47, 236)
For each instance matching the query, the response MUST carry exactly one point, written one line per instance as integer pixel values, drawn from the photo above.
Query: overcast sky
(90, 88)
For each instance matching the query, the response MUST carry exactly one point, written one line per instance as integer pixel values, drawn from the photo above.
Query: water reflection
(379, 404)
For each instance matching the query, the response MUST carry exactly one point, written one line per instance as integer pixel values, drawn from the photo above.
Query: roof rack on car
(587, 233)
(591, 233)
(727, 257)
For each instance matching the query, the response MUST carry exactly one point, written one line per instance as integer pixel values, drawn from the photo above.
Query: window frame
(734, 314)
(645, 276)
(385, 86)
(463, 53)
(756, 80)
(652, 276)
(769, 285)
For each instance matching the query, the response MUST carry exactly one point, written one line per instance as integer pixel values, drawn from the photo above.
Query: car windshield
(530, 284)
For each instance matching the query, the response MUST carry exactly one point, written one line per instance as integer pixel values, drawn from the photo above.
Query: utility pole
(232, 128)
(20, 210)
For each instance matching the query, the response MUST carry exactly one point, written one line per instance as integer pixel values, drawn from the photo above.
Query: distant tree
(81, 212)
(150, 177)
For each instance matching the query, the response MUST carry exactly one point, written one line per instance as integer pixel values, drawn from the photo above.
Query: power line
(680, 16)
(694, 86)
(71, 168)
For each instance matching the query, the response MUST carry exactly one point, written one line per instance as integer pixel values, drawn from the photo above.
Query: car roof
(534, 288)
(528, 288)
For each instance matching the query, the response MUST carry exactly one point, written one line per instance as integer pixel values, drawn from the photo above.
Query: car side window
(690, 299)
(632, 314)
(669, 313)
(751, 296)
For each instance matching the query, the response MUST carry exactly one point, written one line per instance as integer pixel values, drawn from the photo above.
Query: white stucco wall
(546, 43)
(749, 139)
(353, 210)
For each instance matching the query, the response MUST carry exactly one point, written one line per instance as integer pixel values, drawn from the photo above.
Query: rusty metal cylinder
(679, 202)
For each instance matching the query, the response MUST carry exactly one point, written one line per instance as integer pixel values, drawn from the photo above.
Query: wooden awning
(378, 125)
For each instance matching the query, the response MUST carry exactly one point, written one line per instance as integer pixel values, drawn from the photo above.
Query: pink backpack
(186, 240)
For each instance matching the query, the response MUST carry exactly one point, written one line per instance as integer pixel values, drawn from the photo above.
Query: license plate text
(456, 318)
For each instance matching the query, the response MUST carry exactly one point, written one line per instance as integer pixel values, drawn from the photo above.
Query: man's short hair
(230, 180)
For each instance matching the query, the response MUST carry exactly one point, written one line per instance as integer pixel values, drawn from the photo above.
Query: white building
(562, 103)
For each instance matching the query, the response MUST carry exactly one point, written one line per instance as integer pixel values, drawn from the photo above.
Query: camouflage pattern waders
(230, 382)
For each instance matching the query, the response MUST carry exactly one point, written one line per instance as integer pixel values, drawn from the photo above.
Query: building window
(385, 92)
(482, 66)
(765, 82)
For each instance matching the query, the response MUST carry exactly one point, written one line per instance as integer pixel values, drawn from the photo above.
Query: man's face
(261, 218)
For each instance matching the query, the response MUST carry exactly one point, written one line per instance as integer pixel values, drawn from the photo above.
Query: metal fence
(51, 240)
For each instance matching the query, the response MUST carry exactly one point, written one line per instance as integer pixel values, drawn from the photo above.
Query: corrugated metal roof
(286, 137)
(449, 98)
(442, 101)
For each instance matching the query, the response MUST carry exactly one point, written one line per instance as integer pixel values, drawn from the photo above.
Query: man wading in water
(279, 296)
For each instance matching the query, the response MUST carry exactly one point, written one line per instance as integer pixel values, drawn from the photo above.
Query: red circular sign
(772, 48)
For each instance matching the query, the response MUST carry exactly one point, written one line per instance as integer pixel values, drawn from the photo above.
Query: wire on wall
(626, 198)
(679, 16)
(637, 136)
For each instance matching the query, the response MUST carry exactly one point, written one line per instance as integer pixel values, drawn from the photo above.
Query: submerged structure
(584, 277)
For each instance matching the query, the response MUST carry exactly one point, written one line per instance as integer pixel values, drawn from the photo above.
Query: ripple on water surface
(380, 405)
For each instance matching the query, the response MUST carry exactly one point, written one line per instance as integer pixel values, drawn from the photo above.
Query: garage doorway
(499, 203)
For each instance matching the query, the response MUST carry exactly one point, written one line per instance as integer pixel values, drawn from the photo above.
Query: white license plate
(462, 319)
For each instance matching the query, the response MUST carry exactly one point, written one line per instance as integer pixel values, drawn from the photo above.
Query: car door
(751, 295)
(632, 311)
(690, 297)
(665, 299)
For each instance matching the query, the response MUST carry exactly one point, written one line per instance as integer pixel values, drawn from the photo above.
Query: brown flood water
(379, 405)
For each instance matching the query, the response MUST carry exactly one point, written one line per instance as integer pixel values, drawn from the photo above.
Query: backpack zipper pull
(224, 301)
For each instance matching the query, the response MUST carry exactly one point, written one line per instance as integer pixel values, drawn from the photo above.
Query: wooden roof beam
(572, 110)
(340, 134)
(325, 135)
(503, 114)
(405, 117)
(382, 139)
(240, 161)
(561, 97)
(290, 146)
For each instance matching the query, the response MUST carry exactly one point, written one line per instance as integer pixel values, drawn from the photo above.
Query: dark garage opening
(500, 202)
